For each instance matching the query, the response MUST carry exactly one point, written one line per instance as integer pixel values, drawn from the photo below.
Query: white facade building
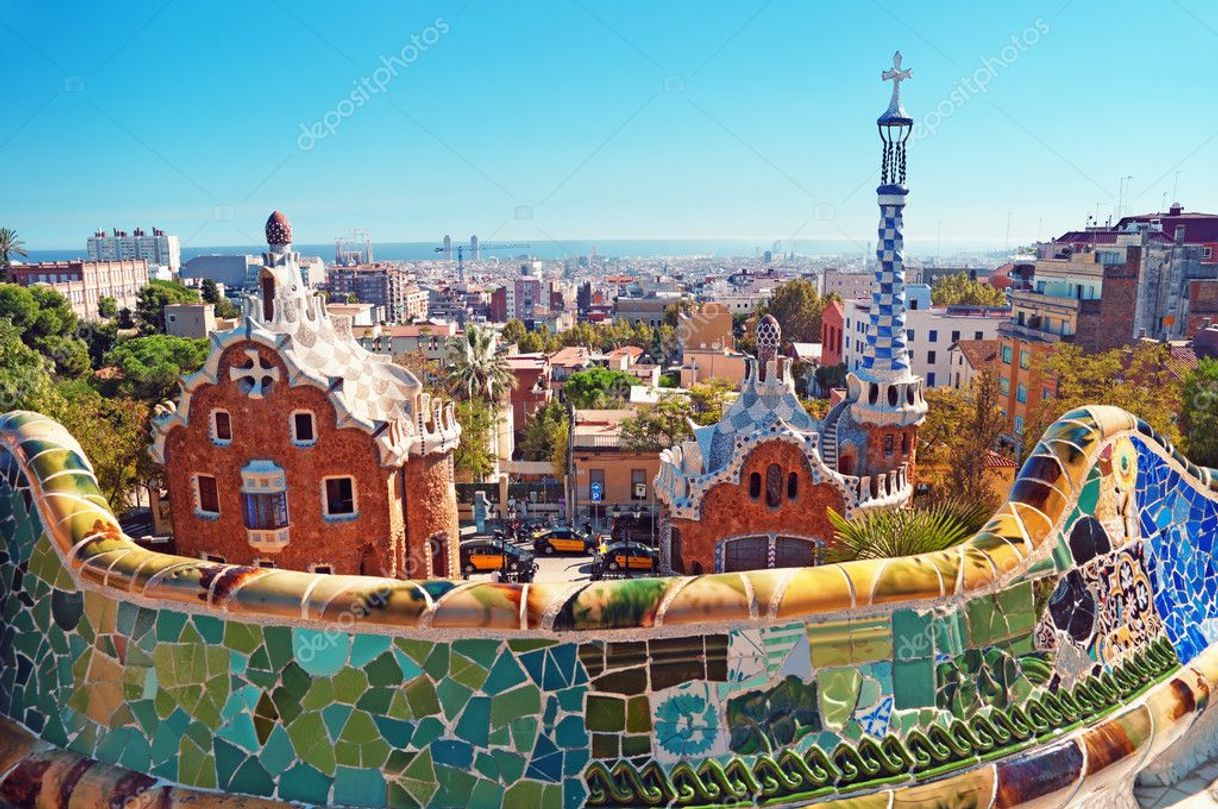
(156, 248)
(929, 332)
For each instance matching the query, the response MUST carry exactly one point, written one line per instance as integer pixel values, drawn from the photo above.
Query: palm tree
(905, 532)
(479, 368)
(10, 246)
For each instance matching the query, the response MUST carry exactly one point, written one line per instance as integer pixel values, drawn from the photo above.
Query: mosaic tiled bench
(1045, 662)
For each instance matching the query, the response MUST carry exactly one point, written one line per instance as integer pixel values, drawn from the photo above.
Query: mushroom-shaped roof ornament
(278, 229)
(769, 338)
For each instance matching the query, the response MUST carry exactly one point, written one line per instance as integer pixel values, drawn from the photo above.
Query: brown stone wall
(261, 430)
(729, 511)
(431, 510)
(880, 462)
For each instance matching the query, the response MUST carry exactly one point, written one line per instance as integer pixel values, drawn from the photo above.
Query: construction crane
(476, 247)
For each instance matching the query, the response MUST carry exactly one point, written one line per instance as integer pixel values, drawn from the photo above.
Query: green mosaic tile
(359, 787)
(522, 702)
(366, 648)
(421, 695)
(349, 685)
(606, 713)
(305, 784)
(453, 697)
(638, 715)
(475, 723)
(244, 638)
(913, 683)
(436, 664)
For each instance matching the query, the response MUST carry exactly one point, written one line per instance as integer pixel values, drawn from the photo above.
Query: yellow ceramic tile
(714, 597)
(483, 605)
(908, 579)
(969, 790)
(814, 590)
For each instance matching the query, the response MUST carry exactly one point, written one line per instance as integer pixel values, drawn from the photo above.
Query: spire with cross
(896, 111)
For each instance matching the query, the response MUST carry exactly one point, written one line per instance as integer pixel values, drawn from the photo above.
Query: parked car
(562, 539)
(484, 555)
(625, 558)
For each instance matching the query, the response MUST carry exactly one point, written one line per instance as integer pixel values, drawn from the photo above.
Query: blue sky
(595, 119)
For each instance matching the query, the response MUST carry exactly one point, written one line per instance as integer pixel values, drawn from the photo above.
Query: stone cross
(259, 374)
(896, 76)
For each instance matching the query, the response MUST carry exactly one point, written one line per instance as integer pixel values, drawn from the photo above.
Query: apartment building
(157, 248)
(85, 283)
(929, 332)
(846, 285)
(604, 477)
(390, 288)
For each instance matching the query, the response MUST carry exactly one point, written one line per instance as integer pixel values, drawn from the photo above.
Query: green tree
(959, 289)
(513, 331)
(152, 300)
(209, 290)
(961, 428)
(10, 246)
(474, 458)
(114, 430)
(479, 369)
(1199, 413)
(798, 308)
(47, 324)
(598, 388)
(1138, 379)
(660, 426)
(149, 367)
(709, 398)
(25, 375)
(126, 318)
(107, 307)
(545, 431)
(673, 311)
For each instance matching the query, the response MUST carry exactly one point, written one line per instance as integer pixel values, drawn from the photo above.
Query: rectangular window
(302, 427)
(1004, 386)
(1021, 392)
(339, 496)
(1045, 393)
(221, 426)
(1019, 425)
(1007, 353)
(327, 569)
(213, 557)
(909, 335)
(930, 379)
(1025, 358)
(930, 357)
(263, 563)
(638, 484)
(955, 336)
(976, 335)
(266, 512)
(209, 497)
(934, 335)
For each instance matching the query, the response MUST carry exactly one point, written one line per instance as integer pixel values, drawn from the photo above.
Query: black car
(562, 539)
(485, 555)
(625, 559)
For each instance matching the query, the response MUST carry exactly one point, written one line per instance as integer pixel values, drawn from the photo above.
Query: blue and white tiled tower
(884, 391)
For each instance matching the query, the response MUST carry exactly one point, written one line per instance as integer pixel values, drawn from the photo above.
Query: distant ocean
(612, 248)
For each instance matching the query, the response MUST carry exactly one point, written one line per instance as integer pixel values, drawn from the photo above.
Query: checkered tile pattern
(886, 351)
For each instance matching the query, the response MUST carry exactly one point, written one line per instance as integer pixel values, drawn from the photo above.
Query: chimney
(1176, 209)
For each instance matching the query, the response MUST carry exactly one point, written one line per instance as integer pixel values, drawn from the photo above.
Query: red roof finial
(278, 229)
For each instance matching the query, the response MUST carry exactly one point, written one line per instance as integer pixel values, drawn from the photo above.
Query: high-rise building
(157, 248)
(388, 287)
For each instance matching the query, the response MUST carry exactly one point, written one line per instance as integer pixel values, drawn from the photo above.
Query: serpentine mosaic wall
(1077, 605)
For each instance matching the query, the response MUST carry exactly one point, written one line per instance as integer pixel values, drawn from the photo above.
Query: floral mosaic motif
(687, 721)
(763, 721)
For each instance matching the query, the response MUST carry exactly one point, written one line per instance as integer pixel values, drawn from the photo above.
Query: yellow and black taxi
(625, 558)
(486, 555)
(562, 539)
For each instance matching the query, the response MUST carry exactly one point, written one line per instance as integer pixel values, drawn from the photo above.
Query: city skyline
(594, 122)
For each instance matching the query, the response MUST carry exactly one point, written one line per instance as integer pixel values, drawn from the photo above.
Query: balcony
(268, 540)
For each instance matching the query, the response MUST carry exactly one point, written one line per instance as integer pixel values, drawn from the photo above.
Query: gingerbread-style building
(754, 490)
(293, 447)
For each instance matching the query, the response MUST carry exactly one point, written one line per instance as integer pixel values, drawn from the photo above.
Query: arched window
(773, 485)
(888, 443)
(792, 485)
(755, 485)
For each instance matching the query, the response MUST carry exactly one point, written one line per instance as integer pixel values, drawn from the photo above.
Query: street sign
(597, 491)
